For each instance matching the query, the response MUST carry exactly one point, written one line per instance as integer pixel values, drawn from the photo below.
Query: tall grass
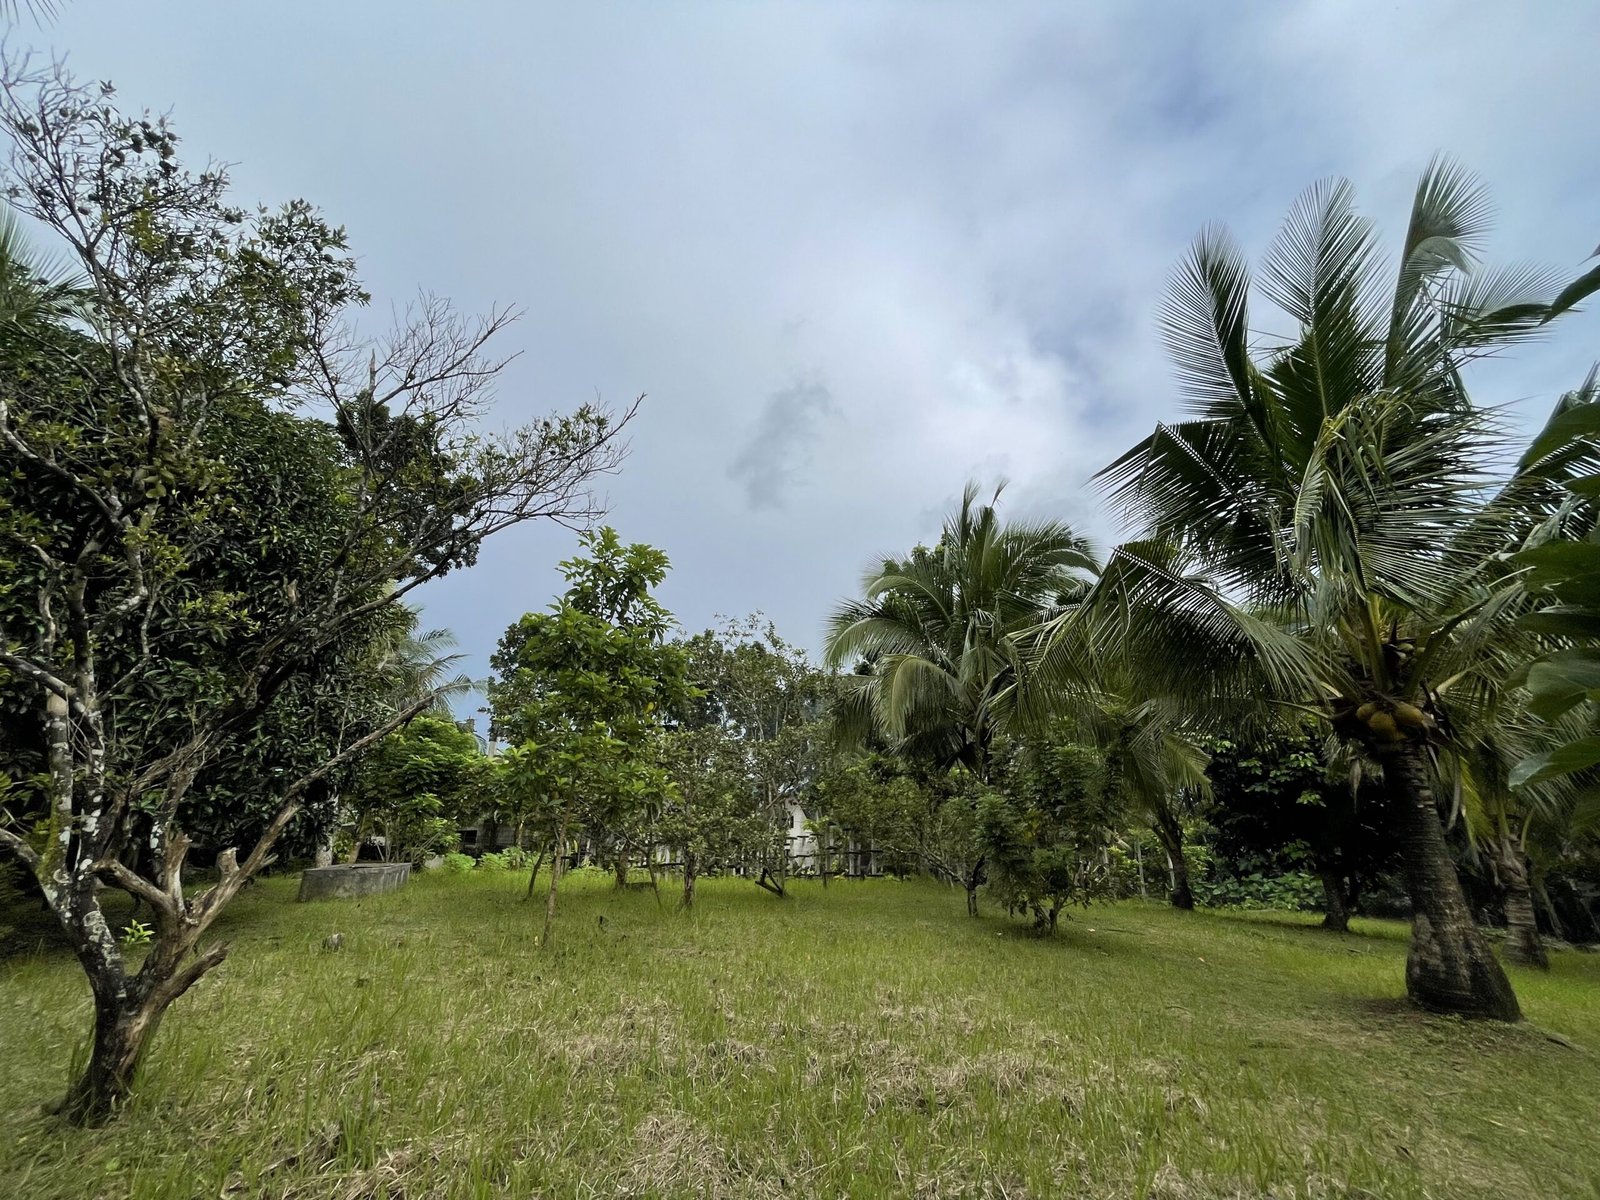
(863, 1040)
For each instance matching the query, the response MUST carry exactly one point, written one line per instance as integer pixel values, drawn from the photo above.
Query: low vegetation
(863, 1040)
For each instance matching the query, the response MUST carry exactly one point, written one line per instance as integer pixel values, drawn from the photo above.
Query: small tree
(874, 801)
(415, 788)
(710, 814)
(765, 695)
(583, 690)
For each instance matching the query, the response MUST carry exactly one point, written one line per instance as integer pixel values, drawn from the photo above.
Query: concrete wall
(344, 882)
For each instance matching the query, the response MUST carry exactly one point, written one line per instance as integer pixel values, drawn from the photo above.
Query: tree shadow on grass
(1378, 929)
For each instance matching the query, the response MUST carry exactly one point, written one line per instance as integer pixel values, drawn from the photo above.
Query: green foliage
(1048, 832)
(1290, 891)
(493, 864)
(136, 934)
(874, 800)
(1280, 814)
(418, 785)
(515, 858)
(582, 690)
(749, 738)
(457, 863)
(934, 636)
(1565, 682)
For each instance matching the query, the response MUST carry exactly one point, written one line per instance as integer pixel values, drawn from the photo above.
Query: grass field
(870, 1040)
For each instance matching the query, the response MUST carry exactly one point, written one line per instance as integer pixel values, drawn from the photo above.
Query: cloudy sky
(855, 253)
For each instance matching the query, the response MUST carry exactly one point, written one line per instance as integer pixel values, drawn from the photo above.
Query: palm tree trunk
(1523, 943)
(1450, 967)
(1169, 832)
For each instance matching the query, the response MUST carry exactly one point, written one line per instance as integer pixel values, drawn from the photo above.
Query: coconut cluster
(1394, 720)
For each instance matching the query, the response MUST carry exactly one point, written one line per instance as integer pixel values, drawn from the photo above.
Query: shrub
(1293, 891)
(458, 864)
(516, 858)
(493, 864)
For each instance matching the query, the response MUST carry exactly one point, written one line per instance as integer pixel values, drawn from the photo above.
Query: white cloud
(957, 221)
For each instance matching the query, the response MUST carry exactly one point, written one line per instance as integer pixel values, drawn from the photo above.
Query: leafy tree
(1278, 803)
(874, 801)
(416, 786)
(196, 566)
(712, 813)
(583, 690)
(1331, 488)
(1048, 829)
(770, 700)
(519, 794)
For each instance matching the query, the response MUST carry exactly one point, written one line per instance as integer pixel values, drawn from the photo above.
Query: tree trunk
(620, 867)
(688, 880)
(534, 876)
(1335, 914)
(122, 1031)
(1169, 832)
(1450, 967)
(972, 881)
(555, 878)
(1523, 943)
(127, 1010)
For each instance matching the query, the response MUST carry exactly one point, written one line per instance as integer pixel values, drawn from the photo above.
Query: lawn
(866, 1040)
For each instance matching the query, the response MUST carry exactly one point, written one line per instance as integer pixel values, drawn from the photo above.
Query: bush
(1292, 891)
(492, 864)
(516, 858)
(458, 864)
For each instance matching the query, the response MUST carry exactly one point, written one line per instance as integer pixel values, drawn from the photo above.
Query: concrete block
(347, 881)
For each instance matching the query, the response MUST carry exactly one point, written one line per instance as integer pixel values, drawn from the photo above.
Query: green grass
(869, 1040)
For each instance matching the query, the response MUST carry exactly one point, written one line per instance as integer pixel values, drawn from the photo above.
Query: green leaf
(1582, 420)
(1552, 764)
(1563, 680)
(1564, 622)
(1576, 292)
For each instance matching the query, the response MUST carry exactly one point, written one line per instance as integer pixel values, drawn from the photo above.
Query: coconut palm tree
(937, 631)
(1332, 485)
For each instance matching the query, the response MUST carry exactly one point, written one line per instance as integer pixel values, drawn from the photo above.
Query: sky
(853, 254)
